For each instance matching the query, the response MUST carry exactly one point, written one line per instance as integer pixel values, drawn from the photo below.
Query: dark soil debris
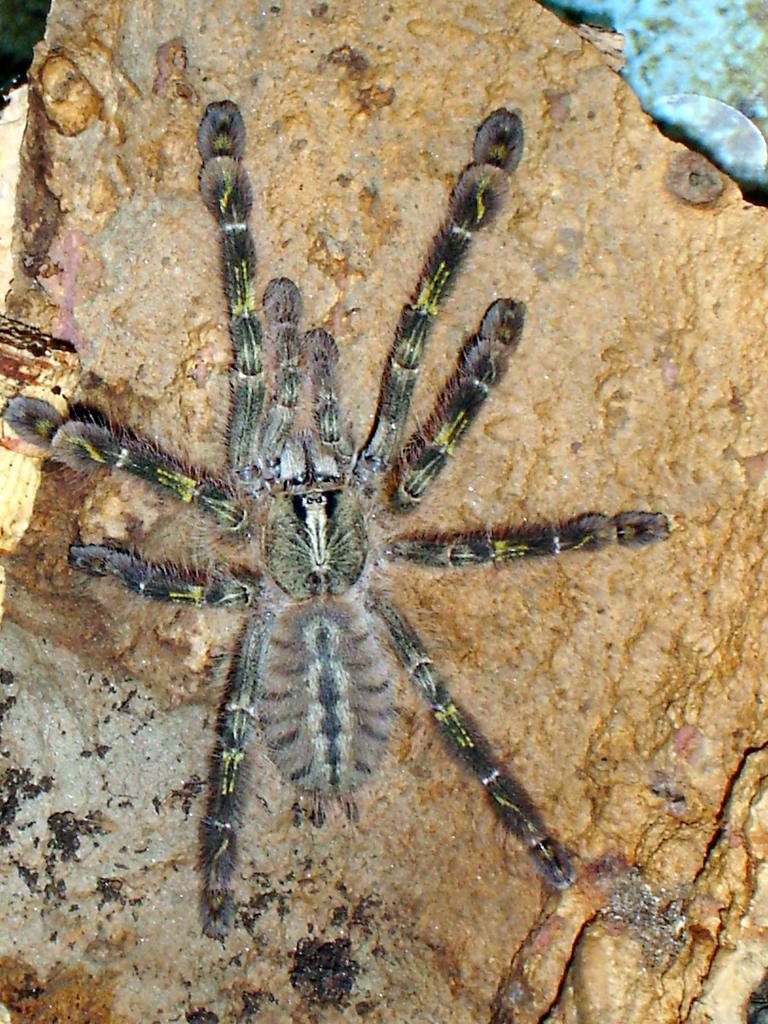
(17, 785)
(254, 1001)
(201, 1016)
(188, 793)
(66, 830)
(324, 971)
(110, 891)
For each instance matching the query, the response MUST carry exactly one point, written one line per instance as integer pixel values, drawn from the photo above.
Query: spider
(300, 495)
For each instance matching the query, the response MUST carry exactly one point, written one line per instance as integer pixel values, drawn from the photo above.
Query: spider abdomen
(326, 703)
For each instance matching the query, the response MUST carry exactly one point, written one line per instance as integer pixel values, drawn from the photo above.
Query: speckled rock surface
(625, 688)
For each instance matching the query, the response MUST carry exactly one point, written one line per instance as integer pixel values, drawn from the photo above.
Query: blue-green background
(700, 69)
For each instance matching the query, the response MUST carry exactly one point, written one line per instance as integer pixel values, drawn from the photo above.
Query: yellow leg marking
(482, 187)
(429, 296)
(44, 427)
(448, 716)
(504, 548)
(183, 486)
(245, 301)
(231, 761)
(447, 436)
(498, 154)
(194, 594)
(504, 802)
(92, 452)
(590, 537)
(226, 195)
(223, 846)
(530, 826)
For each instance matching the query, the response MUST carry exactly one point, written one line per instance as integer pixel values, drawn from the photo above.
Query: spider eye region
(315, 541)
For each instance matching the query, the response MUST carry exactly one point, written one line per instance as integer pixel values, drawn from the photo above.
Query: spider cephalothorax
(307, 672)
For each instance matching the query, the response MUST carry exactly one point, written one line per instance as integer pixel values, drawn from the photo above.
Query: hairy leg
(87, 445)
(226, 191)
(282, 312)
(463, 739)
(328, 421)
(228, 778)
(474, 200)
(482, 362)
(507, 543)
(164, 581)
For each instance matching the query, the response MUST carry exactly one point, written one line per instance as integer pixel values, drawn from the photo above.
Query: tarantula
(307, 671)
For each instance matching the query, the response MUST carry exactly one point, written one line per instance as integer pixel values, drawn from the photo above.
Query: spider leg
(35, 421)
(473, 203)
(482, 362)
(463, 738)
(506, 543)
(163, 581)
(282, 311)
(226, 191)
(86, 445)
(329, 425)
(228, 778)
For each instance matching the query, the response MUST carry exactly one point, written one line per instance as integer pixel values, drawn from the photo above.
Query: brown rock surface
(626, 688)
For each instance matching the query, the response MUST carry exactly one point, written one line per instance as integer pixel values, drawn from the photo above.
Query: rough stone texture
(32, 362)
(625, 688)
(12, 123)
(11, 130)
